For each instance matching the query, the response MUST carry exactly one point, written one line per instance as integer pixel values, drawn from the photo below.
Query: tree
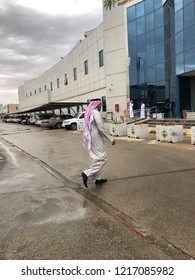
(111, 3)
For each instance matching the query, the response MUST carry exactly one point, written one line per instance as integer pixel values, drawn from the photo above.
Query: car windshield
(42, 117)
(78, 115)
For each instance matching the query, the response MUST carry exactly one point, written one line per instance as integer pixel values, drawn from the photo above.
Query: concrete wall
(116, 56)
(12, 108)
(115, 50)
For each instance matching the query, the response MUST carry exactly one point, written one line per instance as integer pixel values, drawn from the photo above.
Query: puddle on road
(52, 212)
(21, 174)
(17, 182)
(2, 159)
(10, 154)
(18, 172)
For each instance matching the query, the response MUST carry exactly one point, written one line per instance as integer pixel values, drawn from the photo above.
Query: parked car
(8, 119)
(19, 119)
(32, 119)
(55, 122)
(5, 118)
(42, 117)
(25, 120)
(72, 123)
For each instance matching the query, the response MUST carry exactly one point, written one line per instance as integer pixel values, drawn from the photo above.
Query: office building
(143, 50)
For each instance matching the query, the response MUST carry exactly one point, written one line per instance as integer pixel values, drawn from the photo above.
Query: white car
(72, 123)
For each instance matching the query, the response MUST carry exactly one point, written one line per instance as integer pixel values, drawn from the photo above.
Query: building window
(86, 67)
(104, 104)
(101, 58)
(45, 87)
(31, 93)
(35, 91)
(51, 86)
(58, 82)
(65, 79)
(75, 73)
(39, 89)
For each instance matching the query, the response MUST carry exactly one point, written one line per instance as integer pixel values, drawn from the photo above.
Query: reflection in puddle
(10, 154)
(52, 212)
(15, 180)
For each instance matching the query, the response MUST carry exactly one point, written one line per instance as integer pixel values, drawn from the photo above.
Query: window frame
(101, 58)
(86, 67)
(65, 79)
(58, 83)
(75, 73)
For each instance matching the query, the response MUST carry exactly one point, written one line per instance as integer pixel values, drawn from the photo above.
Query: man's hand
(113, 142)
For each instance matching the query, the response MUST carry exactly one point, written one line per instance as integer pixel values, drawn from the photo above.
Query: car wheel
(73, 126)
(58, 125)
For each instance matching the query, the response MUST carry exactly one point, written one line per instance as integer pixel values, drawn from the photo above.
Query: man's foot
(97, 182)
(85, 178)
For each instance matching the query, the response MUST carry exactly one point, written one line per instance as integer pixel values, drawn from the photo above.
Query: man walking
(142, 111)
(94, 133)
(131, 112)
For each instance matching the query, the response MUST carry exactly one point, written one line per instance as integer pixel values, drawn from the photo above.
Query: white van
(72, 123)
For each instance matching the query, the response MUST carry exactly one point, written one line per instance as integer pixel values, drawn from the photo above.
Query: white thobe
(142, 111)
(131, 113)
(97, 152)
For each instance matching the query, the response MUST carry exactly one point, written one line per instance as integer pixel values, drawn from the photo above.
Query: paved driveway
(150, 190)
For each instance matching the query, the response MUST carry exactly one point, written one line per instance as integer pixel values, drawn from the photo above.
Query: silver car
(41, 117)
(55, 122)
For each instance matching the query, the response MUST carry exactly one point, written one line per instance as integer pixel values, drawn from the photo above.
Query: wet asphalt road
(47, 214)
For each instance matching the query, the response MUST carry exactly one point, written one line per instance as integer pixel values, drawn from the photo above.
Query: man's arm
(101, 127)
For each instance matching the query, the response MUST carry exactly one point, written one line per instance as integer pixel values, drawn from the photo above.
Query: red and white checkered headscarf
(88, 120)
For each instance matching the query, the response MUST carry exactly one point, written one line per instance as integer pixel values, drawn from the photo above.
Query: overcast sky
(35, 34)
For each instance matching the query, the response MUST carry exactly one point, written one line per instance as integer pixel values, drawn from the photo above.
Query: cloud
(32, 41)
(11, 96)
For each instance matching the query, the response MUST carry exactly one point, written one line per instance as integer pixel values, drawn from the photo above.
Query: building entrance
(187, 94)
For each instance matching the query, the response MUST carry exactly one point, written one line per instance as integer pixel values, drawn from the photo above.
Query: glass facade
(184, 34)
(185, 54)
(161, 45)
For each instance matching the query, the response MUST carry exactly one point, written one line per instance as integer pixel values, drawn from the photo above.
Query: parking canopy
(53, 106)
